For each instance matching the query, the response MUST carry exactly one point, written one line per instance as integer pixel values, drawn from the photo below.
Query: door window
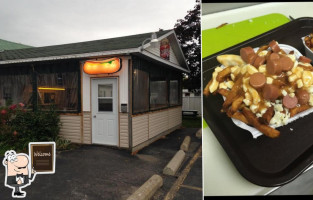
(105, 98)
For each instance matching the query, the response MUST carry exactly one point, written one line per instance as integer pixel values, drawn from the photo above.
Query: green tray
(215, 40)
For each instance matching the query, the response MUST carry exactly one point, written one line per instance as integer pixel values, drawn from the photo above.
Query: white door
(104, 99)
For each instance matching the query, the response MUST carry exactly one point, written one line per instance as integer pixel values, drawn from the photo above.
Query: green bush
(62, 144)
(19, 127)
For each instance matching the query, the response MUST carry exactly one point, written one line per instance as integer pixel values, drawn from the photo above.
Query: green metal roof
(119, 43)
(7, 45)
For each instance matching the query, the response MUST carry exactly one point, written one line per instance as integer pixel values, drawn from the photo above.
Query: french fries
(223, 92)
(221, 76)
(267, 116)
(206, 90)
(233, 93)
(309, 41)
(238, 115)
(306, 68)
(236, 104)
(253, 120)
(299, 109)
(262, 48)
(230, 60)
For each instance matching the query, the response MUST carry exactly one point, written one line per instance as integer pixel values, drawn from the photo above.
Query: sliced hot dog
(257, 80)
(260, 60)
(251, 58)
(304, 59)
(303, 96)
(286, 63)
(247, 54)
(290, 102)
(274, 46)
(274, 56)
(273, 67)
(270, 92)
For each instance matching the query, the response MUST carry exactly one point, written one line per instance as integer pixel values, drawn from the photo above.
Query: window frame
(33, 69)
(136, 62)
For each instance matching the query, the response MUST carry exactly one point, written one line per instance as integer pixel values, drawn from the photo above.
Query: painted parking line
(178, 183)
(191, 187)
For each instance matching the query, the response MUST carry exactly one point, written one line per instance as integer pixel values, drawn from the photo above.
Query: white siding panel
(158, 123)
(140, 127)
(124, 141)
(175, 117)
(123, 83)
(192, 103)
(156, 51)
(149, 125)
(71, 128)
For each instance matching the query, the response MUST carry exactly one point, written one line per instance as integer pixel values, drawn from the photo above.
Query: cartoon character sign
(18, 174)
(21, 169)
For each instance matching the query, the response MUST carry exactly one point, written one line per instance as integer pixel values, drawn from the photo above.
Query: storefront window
(175, 88)
(140, 88)
(57, 85)
(158, 88)
(54, 84)
(158, 94)
(174, 92)
(154, 86)
(15, 86)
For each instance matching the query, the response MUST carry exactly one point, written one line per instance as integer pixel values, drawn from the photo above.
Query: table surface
(235, 33)
(220, 177)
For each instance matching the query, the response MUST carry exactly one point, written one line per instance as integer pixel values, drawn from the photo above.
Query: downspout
(130, 104)
(34, 93)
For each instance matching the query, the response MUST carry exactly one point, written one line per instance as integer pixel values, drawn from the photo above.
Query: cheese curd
(215, 83)
(280, 118)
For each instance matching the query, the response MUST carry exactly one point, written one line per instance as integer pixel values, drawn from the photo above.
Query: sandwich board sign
(42, 156)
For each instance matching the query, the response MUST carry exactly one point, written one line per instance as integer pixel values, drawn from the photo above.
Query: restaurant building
(124, 92)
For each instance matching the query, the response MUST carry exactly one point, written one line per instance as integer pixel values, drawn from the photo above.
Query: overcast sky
(50, 22)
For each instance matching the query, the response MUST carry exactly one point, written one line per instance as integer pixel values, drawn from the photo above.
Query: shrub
(19, 127)
(62, 144)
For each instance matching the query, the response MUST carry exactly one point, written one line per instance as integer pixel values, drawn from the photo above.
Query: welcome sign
(42, 155)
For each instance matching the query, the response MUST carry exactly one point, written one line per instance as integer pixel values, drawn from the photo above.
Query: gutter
(147, 53)
(82, 55)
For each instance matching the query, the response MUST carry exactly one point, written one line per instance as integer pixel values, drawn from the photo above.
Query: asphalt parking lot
(99, 172)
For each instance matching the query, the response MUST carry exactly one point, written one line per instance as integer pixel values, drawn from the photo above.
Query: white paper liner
(256, 133)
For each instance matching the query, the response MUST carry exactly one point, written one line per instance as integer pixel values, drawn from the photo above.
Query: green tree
(188, 33)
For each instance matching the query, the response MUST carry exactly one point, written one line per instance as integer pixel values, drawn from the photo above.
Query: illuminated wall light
(107, 66)
(48, 88)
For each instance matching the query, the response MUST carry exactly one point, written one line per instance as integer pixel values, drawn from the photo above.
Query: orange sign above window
(107, 66)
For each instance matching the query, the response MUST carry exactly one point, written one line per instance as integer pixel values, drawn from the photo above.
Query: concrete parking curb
(172, 167)
(199, 133)
(185, 145)
(147, 190)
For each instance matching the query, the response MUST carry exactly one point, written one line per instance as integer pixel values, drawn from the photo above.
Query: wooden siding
(124, 140)
(71, 127)
(86, 128)
(150, 125)
(140, 125)
(158, 123)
